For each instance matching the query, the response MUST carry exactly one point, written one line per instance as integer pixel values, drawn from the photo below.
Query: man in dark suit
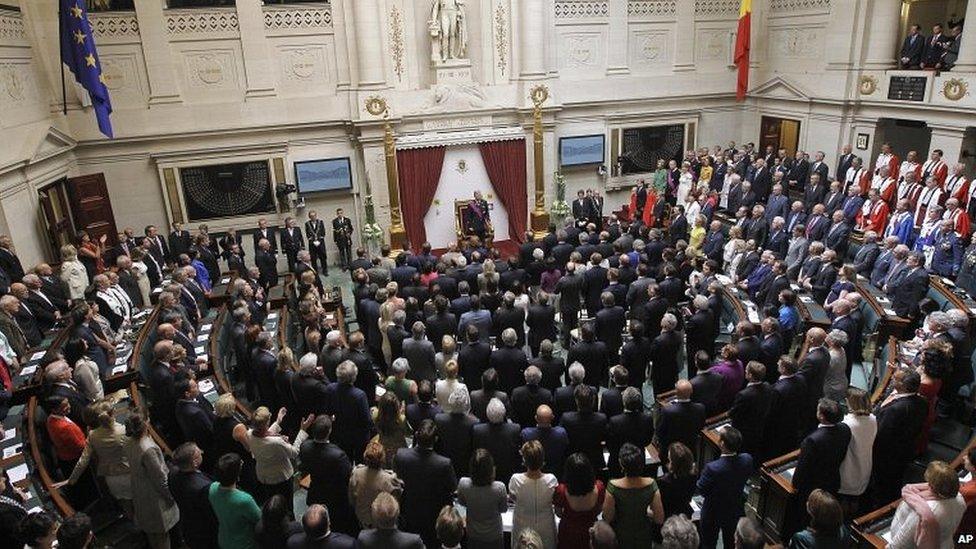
(9, 262)
(195, 416)
(441, 323)
(386, 535)
(762, 181)
(823, 280)
(45, 311)
(699, 335)
(787, 412)
(157, 245)
(267, 233)
(500, 438)
(509, 361)
(349, 405)
(454, 428)
(635, 355)
(609, 325)
(679, 226)
(403, 273)
(527, 398)
(329, 469)
(267, 265)
(429, 482)
(909, 286)
(821, 454)
(799, 172)
(834, 200)
(592, 354)
(707, 385)
(813, 370)
(473, 358)
(747, 343)
(317, 532)
(342, 236)
(837, 235)
(901, 417)
(585, 427)
(771, 347)
(721, 484)
(179, 240)
(552, 367)
(190, 489)
(541, 321)
(634, 426)
(779, 240)
(582, 210)
(750, 410)
(594, 282)
(867, 255)
(291, 241)
(664, 352)
(681, 419)
(910, 55)
(315, 233)
(768, 293)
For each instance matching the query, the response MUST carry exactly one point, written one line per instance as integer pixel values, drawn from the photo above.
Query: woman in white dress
(685, 181)
(445, 387)
(73, 272)
(532, 492)
(855, 470)
(938, 500)
(732, 246)
(692, 208)
(139, 270)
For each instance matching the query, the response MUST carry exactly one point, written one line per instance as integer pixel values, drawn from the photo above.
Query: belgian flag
(742, 43)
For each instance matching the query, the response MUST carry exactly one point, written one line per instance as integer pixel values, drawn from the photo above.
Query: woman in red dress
(578, 501)
(90, 253)
(935, 360)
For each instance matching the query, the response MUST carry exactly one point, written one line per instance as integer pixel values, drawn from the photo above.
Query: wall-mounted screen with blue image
(581, 150)
(334, 174)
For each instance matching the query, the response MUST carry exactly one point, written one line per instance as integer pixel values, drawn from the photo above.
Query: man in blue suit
(721, 484)
(778, 204)
(714, 243)
(948, 251)
(883, 263)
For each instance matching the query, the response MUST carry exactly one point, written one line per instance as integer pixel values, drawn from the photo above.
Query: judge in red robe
(877, 218)
(935, 167)
(958, 216)
(957, 185)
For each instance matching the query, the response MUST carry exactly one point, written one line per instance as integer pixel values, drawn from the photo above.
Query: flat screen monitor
(581, 150)
(334, 174)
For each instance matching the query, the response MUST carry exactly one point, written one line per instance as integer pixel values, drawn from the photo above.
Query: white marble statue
(448, 31)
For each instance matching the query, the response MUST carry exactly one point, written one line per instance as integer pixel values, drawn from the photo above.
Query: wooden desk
(708, 447)
(27, 380)
(218, 362)
(885, 365)
(776, 505)
(950, 296)
(812, 314)
(876, 303)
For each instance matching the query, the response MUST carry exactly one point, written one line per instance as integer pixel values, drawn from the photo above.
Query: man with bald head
(554, 440)
(317, 532)
(813, 370)
(25, 316)
(681, 419)
(8, 324)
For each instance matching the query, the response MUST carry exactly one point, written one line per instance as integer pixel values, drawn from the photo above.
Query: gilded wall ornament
(397, 48)
(955, 89)
(376, 105)
(868, 84)
(501, 38)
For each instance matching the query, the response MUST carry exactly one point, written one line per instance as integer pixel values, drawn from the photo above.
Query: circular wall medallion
(868, 84)
(376, 105)
(209, 69)
(955, 89)
(539, 94)
(303, 64)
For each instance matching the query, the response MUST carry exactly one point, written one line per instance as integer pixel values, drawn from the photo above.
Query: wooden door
(91, 207)
(781, 133)
(57, 216)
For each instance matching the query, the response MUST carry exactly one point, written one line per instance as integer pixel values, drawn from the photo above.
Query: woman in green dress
(405, 389)
(660, 177)
(633, 502)
(391, 425)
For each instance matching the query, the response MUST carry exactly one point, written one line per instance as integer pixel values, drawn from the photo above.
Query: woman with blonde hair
(447, 353)
(391, 425)
(106, 443)
(273, 454)
(230, 437)
(444, 387)
(140, 272)
(488, 274)
(397, 383)
(387, 308)
(855, 470)
(73, 272)
(930, 511)
(532, 492)
(370, 479)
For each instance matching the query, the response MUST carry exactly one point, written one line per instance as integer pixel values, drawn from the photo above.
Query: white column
(532, 39)
(258, 70)
(967, 50)
(949, 140)
(369, 43)
(684, 36)
(163, 88)
(342, 44)
(617, 52)
(884, 22)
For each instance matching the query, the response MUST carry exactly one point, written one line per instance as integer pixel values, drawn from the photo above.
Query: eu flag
(78, 53)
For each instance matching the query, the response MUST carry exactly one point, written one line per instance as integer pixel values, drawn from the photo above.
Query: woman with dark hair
(678, 484)
(391, 425)
(633, 501)
(84, 370)
(485, 499)
(936, 360)
(578, 500)
(90, 253)
(237, 513)
(733, 376)
(826, 529)
(39, 530)
(789, 316)
(155, 509)
(276, 524)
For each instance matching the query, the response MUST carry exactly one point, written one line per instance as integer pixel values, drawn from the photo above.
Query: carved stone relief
(582, 50)
(650, 50)
(304, 66)
(213, 69)
(17, 84)
(795, 43)
(713, 45)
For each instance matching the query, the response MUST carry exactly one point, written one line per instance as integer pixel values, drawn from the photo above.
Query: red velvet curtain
(419, 172)
(505, 163)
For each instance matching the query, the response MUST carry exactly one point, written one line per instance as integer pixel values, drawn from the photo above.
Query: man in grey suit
(420, 353)
(386, 535)
(796, 252)
(868, 253)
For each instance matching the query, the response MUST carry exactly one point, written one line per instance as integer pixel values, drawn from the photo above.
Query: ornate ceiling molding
(469, 137)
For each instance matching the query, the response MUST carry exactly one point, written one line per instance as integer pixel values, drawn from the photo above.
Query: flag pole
(64, 86)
